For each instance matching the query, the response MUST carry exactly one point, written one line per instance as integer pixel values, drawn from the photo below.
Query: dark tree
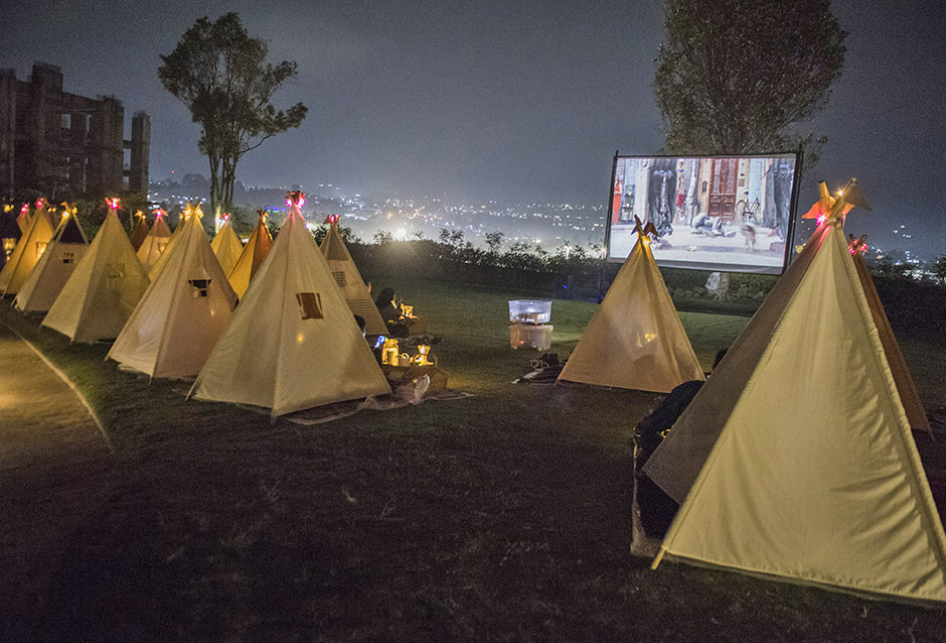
(220, 73)
(738, 76)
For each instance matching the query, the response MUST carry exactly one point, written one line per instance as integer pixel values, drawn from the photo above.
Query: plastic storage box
(530, 311)
(535, 336)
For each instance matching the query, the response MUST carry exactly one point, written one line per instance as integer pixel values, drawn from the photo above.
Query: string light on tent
(296, 198)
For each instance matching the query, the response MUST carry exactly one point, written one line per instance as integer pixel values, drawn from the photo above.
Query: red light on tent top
(295, 198)
(160, 213)
(25, 209)
(112, 203)
(40, 202)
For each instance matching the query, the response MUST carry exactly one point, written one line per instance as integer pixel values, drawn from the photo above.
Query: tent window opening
(161, 247)
(40, 248)
(340, 278)
(68, 257)
(201, 287)
(116, 275)
(310, 305)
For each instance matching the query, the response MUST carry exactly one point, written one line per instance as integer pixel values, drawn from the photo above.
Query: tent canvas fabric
(184, 311)
(254, 253)
(226, 245)
(139, 233)
(27, 253)
(814, 476)
(155, 243)
(635, 339)
(909, 395)
(54, 268)
(293, 342)
(102, 290)
(349, 280)
(675, 464)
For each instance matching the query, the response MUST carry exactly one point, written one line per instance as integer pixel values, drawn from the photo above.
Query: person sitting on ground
(390, 308)
(657, 509)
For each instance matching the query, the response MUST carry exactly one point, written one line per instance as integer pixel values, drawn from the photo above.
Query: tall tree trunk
(214, 183)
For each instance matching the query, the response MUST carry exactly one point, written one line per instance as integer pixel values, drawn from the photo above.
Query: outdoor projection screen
(725, 213)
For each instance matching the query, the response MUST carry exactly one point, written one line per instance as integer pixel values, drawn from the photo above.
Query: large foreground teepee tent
(635, 339)
(104, 288)
(183, 312)
(226, 245)
(155, 243)
(252, 257)
(349, 280)
(27, 252)
(54, 268)
(812, 475)
(293, 342)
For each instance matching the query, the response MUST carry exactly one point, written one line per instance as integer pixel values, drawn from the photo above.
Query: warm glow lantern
(389, 352)
(423, 355)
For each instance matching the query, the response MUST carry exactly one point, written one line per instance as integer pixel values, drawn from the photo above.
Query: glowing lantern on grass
(389, 352)
(423, 355)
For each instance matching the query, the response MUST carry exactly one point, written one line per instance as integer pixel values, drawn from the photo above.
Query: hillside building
(64, 145)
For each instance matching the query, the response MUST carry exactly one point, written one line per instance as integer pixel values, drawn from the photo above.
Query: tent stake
(660, 557)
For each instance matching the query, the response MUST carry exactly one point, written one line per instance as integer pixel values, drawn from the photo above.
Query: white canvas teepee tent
(252, 257)
(814, 476)
(293, 342)
(27, 253)
(104, 288)
(635, 339)
(140, 232)
(183, 312)
(349, 280)
(226, 245)
(185, 215)
(155, 243)
(54, 268)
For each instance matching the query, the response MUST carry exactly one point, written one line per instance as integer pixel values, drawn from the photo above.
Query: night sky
(515, 101)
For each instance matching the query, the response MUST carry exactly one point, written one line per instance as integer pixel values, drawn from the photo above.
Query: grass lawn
(499, 517)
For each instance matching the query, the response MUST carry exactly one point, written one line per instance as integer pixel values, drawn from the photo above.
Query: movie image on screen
(730, 214)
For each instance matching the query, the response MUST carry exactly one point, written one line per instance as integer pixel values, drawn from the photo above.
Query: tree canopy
(220, 73)
(738, 76)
